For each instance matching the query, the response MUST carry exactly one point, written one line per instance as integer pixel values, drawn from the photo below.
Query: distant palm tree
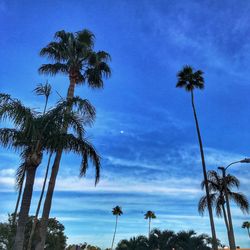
(149, 216)
(117, 211)
(73, 55)
(191, 80)
(217, 196)
(246, 224)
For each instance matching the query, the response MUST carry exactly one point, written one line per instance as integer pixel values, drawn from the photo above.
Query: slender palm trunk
(18, 199)
(116, 221)
(25, 206)
(226, 223)
(225, 217)
(214, 239)
(39, 204)
(149, 224)
(248, 232)
(52, 182)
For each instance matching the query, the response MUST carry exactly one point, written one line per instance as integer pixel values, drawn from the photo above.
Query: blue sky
(155, 163)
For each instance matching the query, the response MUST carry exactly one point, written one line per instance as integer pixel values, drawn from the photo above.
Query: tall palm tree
(149, 216)
(246, 224)
(191, 80)
(217, 196)
(41, 90)
(35, 133)
(73, 55)
(44, 90)
(117, 211)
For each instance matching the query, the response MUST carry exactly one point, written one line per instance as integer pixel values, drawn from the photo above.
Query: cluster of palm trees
(217, 188)
(57, 130)
(167, 240)
(117, 211)
(62, 129)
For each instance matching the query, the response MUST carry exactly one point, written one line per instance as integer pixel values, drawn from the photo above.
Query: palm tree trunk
(114, 232)
(48, 201)
(248, 232)
(18, 199)
(230, 223)
(149, 222)
(226, 223)
(214, 239)
(52, 182)
(39, 205)
(25, 206)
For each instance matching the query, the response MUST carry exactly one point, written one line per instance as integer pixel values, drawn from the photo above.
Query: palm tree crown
(246, 225)
(73, 55)
(217, 193)
(190, 79)
(150, 215)
(117, 211)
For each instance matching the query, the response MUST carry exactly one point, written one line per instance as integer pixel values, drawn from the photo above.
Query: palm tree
(134, 243)
(35, 133)
(149, 216)
(73, 55)
(246, 224)
(164, 240)
(217, 196)
(41, 90)
(191, 80)
(44, 90)
(188, 240)
(117, 211)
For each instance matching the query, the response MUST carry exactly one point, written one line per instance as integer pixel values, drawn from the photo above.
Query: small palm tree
(117, 211)
(246, 225)
(73, 55)
(217, 196)
(189, 79)
(149, 216)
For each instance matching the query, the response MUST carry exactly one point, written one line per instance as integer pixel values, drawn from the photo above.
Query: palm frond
(53, 69)
(85, 38)
(202, 205)
(12, 138)
(14, 110)
(20, 176)
(43, 89)
(80, 146)
(241, 201)
(232, 181)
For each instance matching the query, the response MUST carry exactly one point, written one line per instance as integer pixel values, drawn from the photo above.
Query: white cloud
(7, 172)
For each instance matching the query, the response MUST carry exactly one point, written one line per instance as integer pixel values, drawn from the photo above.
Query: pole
(231, 230)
